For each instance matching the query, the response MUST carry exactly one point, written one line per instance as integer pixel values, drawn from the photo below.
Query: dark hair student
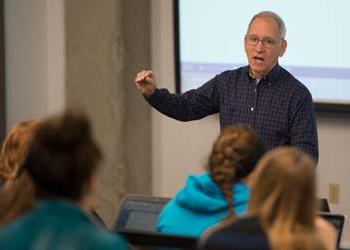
(62, 160)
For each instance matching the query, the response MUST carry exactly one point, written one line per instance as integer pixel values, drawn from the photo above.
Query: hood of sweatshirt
(202, 194)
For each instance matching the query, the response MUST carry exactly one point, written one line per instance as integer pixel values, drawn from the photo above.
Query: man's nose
(259, 46)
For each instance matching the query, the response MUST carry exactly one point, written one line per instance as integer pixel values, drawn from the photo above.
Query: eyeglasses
(267, 42)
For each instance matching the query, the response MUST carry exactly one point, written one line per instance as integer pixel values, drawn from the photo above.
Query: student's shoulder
(103, 239)
(17, 229)
(245, 225)
(326, 232)
(324, 226)
(245, 233)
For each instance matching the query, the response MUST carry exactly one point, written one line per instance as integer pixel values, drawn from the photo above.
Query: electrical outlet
(333, 195)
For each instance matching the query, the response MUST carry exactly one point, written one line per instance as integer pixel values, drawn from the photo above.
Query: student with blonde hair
(282, 209)
(222, 192)
(16, 187)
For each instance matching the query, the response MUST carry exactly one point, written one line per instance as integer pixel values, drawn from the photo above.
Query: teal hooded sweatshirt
(200, 205)
(57, 225)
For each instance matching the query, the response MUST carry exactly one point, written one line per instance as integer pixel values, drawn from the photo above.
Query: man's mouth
(258, 59)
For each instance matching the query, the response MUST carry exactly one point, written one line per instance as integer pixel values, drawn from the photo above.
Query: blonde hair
(17, 195)
(234, 155)
(283, 199)
(15, 148)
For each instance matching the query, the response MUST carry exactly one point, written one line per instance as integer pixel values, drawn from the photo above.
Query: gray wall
(34, 41)
(106, 43)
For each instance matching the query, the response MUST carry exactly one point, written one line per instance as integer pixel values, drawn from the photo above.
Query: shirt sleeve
(304, 128)
(191, 105)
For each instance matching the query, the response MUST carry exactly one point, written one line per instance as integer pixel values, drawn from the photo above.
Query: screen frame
(319, 106)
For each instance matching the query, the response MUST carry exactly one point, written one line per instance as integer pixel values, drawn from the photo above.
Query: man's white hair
(277, 18)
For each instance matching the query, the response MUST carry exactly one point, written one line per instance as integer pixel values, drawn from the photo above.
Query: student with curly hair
(17, 190)
(220, 193)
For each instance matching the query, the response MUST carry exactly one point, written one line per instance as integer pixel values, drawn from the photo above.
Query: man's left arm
(304, 128)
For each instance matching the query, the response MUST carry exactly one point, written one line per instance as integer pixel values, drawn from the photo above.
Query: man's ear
(283, 47)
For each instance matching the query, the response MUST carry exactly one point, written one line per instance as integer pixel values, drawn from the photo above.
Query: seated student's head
(17, 191)
(233, 158)
(283, 198)
(63, 158)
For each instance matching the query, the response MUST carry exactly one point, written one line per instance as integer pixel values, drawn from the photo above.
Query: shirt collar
(272, 76)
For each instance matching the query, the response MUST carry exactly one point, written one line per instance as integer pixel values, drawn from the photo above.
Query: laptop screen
(137, 220)
(139, 213)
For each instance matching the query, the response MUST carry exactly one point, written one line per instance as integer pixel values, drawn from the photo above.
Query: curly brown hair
(234, 156)
(14, 149)
(17, 195)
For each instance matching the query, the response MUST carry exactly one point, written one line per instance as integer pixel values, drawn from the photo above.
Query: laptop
(137, 220)
(139, 213)
(337, 220)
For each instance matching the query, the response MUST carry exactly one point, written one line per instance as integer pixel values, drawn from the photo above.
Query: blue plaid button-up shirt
(279, 108)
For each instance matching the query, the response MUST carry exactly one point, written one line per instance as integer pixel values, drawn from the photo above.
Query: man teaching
(262, 95)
